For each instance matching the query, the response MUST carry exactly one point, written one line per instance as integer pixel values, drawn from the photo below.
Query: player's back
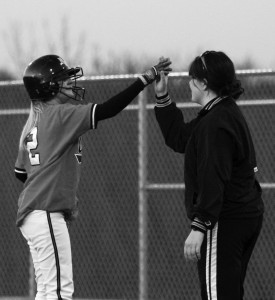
(53, 159)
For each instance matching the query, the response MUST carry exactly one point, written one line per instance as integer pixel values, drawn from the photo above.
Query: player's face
(66, 88)
(197, 90)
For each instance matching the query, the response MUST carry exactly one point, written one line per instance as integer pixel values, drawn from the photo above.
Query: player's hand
(163, 65)
(161, 85)
(192, 246)
(153, 73)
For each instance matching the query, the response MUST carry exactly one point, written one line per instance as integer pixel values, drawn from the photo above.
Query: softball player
(49, 160)
(222, 196)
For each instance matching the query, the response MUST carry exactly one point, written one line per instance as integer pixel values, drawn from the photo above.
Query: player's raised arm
(51, 164)
(118, 102)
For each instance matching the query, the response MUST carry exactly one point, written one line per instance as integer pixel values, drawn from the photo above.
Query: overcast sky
(180, 29)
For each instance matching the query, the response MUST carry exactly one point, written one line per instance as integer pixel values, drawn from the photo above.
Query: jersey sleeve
(21, 167)
(77, 119)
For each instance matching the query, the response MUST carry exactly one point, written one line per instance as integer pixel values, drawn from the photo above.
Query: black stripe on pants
(56, 257)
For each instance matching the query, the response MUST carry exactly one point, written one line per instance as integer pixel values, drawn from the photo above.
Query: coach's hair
(34, 115)
(219, 72)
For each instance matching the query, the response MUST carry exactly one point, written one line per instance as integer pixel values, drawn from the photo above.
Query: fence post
(142, 178)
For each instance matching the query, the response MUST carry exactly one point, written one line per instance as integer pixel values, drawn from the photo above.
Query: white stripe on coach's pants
(93, 116)
(207, 263)
(211, 263)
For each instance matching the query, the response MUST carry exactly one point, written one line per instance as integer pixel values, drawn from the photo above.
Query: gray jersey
(52, 159)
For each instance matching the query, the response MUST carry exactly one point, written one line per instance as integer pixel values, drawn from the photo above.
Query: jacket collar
(210, 105)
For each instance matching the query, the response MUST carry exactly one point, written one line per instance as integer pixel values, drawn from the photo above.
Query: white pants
(48, 238)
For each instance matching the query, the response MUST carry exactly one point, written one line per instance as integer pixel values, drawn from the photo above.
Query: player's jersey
(52, 160)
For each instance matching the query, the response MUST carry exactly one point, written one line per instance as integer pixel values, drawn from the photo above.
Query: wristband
(141, 77)
(162, 101)
(197, 224)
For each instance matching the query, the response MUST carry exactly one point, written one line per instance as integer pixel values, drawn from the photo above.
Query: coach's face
(197, 88)
(196, 91)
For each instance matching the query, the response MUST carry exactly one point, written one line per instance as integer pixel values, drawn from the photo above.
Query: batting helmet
(42, 78)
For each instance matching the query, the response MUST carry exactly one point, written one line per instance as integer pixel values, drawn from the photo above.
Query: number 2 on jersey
(32, 144)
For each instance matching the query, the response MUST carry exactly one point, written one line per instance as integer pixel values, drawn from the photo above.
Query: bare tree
(27, 41)
(24, 44)
(245, 64)
(16, 47)
(6, 75)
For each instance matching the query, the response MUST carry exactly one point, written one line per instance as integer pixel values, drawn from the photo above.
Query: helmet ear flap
(54, 87)
(48, 89)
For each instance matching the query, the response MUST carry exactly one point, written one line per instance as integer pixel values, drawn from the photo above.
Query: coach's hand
(154, 73)
(161, 85)
(192, 246)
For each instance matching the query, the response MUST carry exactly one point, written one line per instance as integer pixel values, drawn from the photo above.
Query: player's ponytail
(34, 115)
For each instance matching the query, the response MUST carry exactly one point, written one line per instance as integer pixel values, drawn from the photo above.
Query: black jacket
(220, 161)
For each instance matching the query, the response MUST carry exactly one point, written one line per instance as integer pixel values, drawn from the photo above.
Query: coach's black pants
(225, 254)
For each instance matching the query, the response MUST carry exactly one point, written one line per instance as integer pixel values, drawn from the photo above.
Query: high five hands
(162, 81)
(154, 73)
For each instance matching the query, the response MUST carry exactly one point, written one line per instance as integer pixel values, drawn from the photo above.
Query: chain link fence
(129, 238)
